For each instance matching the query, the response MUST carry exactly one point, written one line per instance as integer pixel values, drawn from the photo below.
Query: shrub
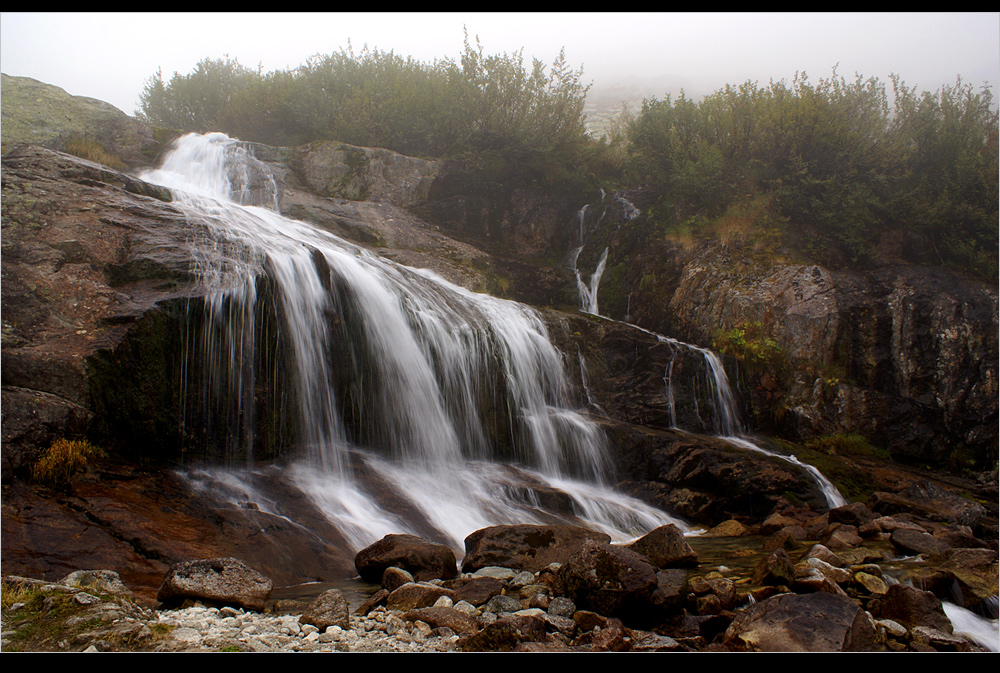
(749, 344)
(64, 459)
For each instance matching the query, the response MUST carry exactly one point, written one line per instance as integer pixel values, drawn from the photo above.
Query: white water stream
(423, 358)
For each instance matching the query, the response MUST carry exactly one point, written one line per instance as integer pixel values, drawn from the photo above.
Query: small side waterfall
(723, 412)
(587, 291)
(397, 380)
(725, 415)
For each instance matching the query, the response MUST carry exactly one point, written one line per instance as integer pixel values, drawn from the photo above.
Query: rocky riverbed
(558, 588)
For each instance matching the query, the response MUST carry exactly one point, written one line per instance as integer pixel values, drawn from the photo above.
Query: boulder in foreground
(423, 559)
(228, 581)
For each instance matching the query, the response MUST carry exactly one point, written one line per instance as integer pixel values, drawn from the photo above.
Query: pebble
(198, 628)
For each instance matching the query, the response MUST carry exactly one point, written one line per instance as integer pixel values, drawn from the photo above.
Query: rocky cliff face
(87, 253)
(906, 356)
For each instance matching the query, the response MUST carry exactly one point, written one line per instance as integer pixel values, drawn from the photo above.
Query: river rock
(665, 547)
(912, 607)
(476, 590)
(423, 559)
(330, 608)
(222, 580)
(916, 542)
(931, 502)
(526, 547)
(854, 514)
(416, 595)
(505, 634)
(818, 622)
(609, 580)
(438, 617)
(775, 569)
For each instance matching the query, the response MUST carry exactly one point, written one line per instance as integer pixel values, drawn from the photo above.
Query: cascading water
(725, 416)
(588, 291)
(723, 412)
(398, 377)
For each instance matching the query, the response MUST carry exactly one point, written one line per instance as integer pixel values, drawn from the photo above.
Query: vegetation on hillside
(379, 99)
(832, 169)
(831, 172)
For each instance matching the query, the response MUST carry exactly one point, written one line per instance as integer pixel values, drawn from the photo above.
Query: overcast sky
(110, 56)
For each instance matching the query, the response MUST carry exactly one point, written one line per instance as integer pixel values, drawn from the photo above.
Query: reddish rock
(525, 547)
(665, 547)
(423, 559)
(817, 622)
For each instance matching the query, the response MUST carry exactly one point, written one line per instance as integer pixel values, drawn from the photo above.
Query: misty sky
(110, 56)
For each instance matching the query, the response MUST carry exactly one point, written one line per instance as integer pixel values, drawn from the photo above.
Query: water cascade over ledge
(455, 403)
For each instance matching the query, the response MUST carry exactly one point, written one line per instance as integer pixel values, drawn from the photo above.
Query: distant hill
(32, 112)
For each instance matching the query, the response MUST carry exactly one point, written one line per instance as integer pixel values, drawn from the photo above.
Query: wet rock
(912, 607)
(609, 580)
(855, 514)
(416, 595)
(438, 617)
(477, 590)
(916, 542)
(931, 502)
(393, 578)
(775, 569)
(505, 634)
(974, 574)
(824, 554)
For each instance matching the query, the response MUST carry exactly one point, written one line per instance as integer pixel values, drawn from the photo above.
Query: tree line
(833, 170)
(838, 172)
(376, 98)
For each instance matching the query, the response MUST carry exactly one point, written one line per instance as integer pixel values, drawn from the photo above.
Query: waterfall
(724, 413)
(396, 376)
(725, 417)
(588, 291)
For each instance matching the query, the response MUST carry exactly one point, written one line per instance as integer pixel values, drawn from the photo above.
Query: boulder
(665, 547)
(817, 622)
(526, 547)
(477, 590)
(104, 581)
(932, 502)
(505, 634)
(438, 617)
(330, 608)
(917, 542)
(416, 595)
(610, 580)
(912, 607)
(226, 581)
(423, 559)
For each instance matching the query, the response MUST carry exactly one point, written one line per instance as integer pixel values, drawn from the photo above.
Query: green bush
(833, 166)
(749, 344)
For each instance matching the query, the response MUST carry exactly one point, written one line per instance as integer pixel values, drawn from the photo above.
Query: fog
(110, 56)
